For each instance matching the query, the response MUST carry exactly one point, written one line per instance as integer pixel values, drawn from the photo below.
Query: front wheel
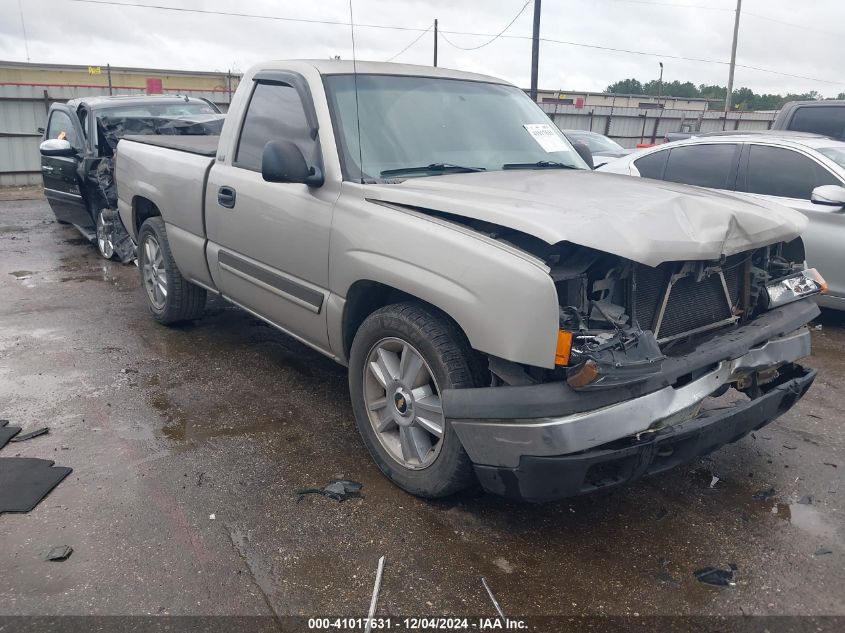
(402, 357)
(172, 298)
(105, 235)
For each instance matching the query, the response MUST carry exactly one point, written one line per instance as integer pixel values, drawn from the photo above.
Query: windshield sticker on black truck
(546, 137)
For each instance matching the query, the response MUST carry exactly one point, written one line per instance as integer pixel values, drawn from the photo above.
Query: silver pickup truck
(507, 315)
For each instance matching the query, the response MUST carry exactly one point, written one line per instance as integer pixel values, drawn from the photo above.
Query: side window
(827, 120)
(275, 113)
(652, 166)
(61, 126)
(702, 165)
(774, 171)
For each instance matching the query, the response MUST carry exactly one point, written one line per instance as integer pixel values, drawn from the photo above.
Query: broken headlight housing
(794, 287)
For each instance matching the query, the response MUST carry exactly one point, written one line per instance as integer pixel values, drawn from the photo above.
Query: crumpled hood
(643, 220)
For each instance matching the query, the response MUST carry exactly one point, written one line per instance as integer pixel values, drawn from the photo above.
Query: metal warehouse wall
(630, 126)
(23, 109)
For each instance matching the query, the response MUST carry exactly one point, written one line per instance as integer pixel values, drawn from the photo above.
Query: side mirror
(282, 161)
(585, 153)
(829, 195)
(56, 147)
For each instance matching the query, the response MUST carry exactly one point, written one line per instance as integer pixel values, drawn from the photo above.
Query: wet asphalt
(167, 427)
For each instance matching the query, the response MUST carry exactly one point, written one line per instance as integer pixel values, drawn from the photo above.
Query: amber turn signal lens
(583, 375)
(564, 347)
(816, 276)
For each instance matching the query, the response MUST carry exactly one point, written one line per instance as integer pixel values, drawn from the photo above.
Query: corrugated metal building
(643, 102)
(27, 90)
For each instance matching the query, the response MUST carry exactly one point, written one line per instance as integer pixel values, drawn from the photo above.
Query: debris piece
(764, 495)
(830, 464)
(790, 447)
(338, 489)
(211, 517)
(822, 551)
(818, 327)
(493, 599)
(25, 481)
(717, 577)
(60, 552)
(806, 500)
(28, 436)
(7, 432)
(662, 513)
(376, 589)
(813, 415)
(714, 481)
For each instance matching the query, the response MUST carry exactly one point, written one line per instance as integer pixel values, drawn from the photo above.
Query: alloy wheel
(403, 403)
(153, 272)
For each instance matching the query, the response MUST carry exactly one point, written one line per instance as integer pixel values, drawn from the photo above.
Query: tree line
(743, 98)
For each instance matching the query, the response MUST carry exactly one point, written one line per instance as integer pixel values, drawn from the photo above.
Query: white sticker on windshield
(546, 137)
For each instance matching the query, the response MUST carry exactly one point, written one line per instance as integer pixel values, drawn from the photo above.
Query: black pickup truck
(77, 155)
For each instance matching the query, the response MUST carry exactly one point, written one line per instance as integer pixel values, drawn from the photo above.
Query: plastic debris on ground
(28, 436)
(338, 489)
(822, 551)
(764, 495)
(806, 500)
(717, 577)
(714, 481)
(59, 553)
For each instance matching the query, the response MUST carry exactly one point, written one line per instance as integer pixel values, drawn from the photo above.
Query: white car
(803, 171)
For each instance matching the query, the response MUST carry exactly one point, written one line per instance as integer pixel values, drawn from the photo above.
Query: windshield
(596, 142)
(172, 109)
(432, 126)
(836, 154)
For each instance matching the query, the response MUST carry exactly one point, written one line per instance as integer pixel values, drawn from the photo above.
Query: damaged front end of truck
(655, 365)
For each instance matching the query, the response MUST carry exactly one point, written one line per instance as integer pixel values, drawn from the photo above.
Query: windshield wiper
(540, 164)
(432, 168)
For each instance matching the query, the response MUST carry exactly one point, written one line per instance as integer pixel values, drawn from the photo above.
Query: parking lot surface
(188, 445)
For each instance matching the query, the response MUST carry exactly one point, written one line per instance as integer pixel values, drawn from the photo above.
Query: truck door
(61, 173)
(269, 242)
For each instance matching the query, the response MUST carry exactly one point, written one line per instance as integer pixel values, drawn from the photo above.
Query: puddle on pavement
(807, 518)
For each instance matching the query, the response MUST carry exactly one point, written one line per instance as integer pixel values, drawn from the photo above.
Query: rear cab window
(826, 120)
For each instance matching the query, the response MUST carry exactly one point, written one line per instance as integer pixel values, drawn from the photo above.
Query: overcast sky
(798, 38)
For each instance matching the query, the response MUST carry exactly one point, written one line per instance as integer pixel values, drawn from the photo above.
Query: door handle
(226, 197)
(46, 168)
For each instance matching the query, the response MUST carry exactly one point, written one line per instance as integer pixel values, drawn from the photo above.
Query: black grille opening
(692, 305)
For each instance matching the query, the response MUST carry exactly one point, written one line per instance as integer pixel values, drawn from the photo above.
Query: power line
(23, 28)
(675, 5)
(415, 40)
(500, 35)
(492, 39)
(797, 26)
(246, 15)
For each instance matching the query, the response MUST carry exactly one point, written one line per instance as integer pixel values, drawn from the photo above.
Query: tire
(105, 236)
(181, 300)
(394, 433)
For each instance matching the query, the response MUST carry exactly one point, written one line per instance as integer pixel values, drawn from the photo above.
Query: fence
(23, 109)
(630, 126)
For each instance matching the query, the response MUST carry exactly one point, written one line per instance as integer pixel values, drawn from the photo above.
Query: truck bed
(200, 145)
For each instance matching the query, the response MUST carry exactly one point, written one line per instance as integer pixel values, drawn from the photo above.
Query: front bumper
(519, 437)
(549, 478)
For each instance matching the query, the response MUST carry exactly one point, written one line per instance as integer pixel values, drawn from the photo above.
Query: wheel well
(143, 210)
(364, 298)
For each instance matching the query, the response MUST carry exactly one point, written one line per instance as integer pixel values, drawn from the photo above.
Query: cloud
(63, 31)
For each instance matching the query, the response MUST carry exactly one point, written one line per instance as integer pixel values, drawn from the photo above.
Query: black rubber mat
(7, 432)
(25, 481)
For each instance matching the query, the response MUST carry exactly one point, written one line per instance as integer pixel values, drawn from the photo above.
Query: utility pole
(660, 83)
(108, 72)
(729, 96)
(535, 49)
(435, 42)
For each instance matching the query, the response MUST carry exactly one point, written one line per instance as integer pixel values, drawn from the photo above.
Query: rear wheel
(402, 357)
(172, 298)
